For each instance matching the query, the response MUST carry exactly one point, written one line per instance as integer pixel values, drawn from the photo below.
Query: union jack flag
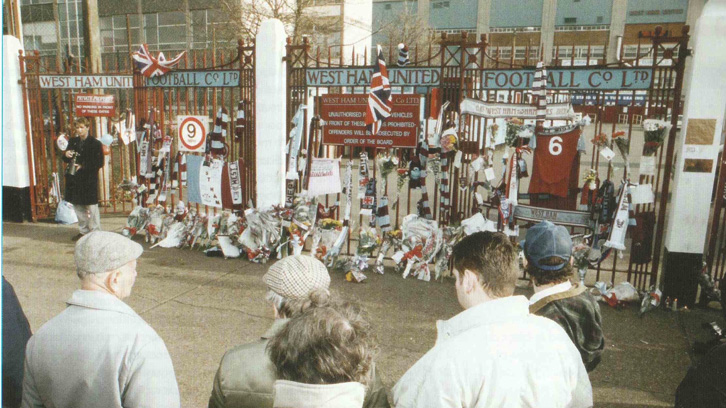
(150, 66)
(379, 99)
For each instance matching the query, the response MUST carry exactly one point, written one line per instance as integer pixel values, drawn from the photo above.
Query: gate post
(270, 117)
(698, 150)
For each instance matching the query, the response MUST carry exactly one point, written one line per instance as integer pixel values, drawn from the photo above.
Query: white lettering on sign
(86, 81)
(326, 77)
(556, 146)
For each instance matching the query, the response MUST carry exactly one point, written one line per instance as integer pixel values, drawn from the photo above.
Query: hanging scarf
(619, 226)
(424, 209)
(384, 220)
(239, 124)
(445, 189)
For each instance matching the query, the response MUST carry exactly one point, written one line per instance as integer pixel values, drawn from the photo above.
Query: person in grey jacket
(98, 352)
(246, 375)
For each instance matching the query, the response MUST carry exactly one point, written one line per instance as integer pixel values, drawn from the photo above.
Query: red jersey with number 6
(554, 157)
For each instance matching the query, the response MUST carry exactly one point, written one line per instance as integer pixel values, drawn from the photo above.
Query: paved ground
(202, 306)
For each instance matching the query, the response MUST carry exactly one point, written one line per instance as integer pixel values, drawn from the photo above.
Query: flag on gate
(540, 93)
(379, 99)
(150, 66)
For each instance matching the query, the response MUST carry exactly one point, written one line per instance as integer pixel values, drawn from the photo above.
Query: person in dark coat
(548, 255)
(82, 187)
(16, 332)
(705, 383)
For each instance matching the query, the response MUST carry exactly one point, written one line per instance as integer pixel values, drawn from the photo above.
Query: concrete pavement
(203, 306)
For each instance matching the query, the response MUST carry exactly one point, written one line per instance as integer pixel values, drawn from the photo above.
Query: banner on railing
(555, 111)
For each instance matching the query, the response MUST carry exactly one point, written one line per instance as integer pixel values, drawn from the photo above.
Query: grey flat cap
(103, 251)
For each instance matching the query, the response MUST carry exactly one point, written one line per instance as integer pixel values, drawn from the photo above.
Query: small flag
(379, 99)
(403, 55)
(150, 66)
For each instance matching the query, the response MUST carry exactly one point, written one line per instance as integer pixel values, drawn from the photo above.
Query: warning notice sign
(95, 105)
(344, 117)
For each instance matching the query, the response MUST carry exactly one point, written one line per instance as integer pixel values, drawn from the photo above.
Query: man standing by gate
(84, 157)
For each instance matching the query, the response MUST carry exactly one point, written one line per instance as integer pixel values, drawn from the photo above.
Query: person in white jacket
(98, 352)
(494, 353)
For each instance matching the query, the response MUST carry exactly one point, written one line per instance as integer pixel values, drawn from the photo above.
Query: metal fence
(460, 62)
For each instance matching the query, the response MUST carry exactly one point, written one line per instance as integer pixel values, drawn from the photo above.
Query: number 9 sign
(192, 133)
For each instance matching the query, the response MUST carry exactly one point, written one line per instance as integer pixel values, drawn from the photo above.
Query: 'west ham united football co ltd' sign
(334, 77)
(173, 79)
(566, 78)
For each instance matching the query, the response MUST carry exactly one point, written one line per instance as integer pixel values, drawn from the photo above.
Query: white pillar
(618, 14)
(270, 117)
(424, 10)
(483, 16)
(15, 140)
(697, 148)
(547, 35)
(357, 27)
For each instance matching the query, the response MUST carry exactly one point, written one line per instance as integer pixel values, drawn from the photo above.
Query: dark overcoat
(82, 188)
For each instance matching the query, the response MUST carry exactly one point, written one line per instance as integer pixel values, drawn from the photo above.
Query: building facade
(563, 29)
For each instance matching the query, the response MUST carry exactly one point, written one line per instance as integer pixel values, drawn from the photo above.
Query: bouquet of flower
(137, 220)
(590, 179)
(600, 140)
(403, 175)
(391, 239)
(655, 131)
(622, 142)
(514, 126)
(262, 234)
(581, 256)
(386, 164)
(324, 235)
(368, 241)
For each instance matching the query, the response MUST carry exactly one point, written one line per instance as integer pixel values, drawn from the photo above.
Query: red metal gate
(460, 63)
(50, 112)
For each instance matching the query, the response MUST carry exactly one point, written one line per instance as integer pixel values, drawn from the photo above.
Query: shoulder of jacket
(245, 352)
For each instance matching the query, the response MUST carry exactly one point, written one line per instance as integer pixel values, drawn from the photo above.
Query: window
(570, 20)
(521, 53)
(502, 52)
(441, 4)
(599, 19)
(387, 6)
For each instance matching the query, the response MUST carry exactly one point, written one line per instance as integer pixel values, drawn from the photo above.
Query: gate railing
(50, 112)
(460, 62)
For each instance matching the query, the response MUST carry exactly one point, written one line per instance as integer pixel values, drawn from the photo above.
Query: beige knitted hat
(294, 277)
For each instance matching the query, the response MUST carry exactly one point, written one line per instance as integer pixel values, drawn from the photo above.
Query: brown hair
(82, 121)
(325, 345)
(289, 308)
(492, 258)
(542, 277)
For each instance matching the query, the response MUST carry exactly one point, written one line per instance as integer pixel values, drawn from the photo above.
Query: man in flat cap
(246, 375)
(98, 352)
